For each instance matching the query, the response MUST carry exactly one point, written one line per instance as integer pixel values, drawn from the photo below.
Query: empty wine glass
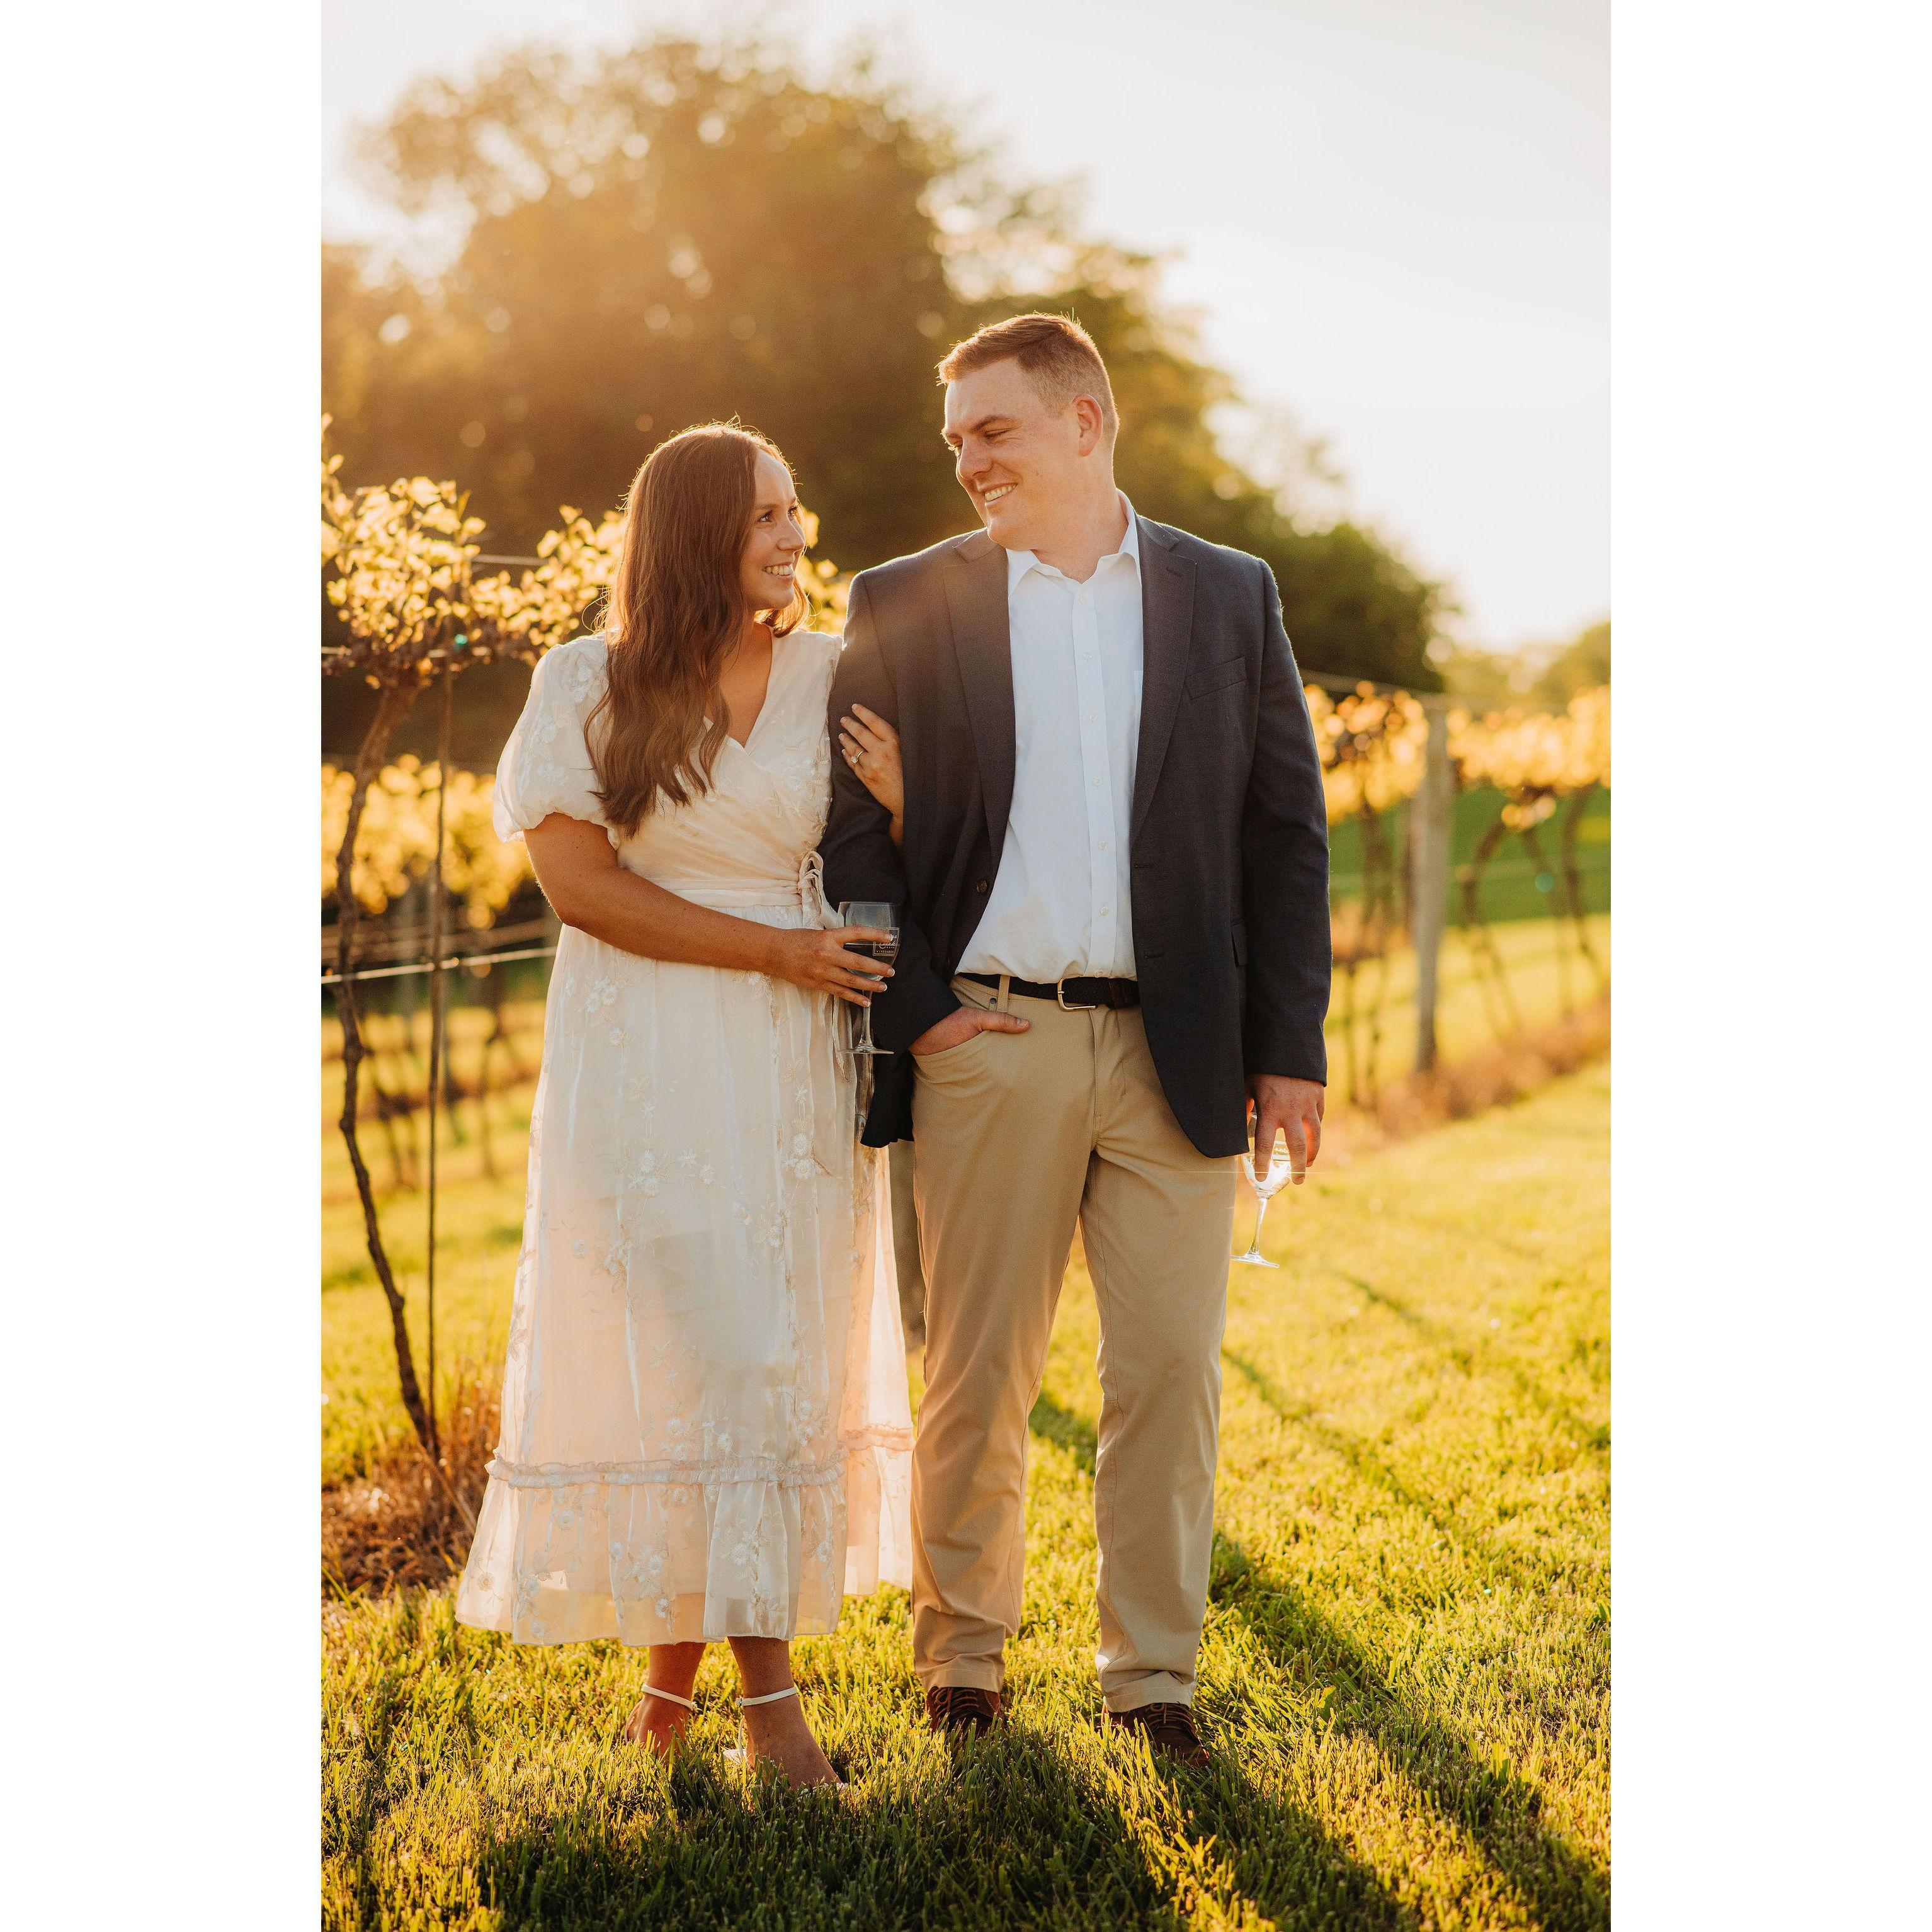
(1280, 1167)
(875, 913)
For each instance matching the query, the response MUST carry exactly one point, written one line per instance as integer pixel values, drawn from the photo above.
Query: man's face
(1018, 458)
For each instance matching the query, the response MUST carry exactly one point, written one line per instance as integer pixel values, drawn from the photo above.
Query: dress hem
(699, 1475)
(688, 1560)
(603, 1612)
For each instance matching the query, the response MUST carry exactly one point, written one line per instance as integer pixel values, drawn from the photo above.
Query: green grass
(1509, 889)
(479, 1228)
(1404, 1673)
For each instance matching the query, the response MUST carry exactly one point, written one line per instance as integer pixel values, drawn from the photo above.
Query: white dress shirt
(1059, 904)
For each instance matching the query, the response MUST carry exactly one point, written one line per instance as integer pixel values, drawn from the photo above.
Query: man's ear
(1093, 423)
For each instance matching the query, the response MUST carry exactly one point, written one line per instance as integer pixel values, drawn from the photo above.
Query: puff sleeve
(546, 765)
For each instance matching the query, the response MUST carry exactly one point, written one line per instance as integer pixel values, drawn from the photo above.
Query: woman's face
(770, 561)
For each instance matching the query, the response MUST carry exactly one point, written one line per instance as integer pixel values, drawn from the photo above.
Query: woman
(705, 1431)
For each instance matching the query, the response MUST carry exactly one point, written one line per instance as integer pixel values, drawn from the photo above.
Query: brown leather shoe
(962, 1707)
(1168, 1728)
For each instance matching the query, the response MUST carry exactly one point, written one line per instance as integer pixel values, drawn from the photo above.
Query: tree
(667, 233)
(1581, 665)
(1544, 677)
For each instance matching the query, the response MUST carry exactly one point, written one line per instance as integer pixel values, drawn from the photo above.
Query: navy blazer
(1229, 834)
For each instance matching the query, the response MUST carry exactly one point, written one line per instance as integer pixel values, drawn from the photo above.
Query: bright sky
(1392, 215)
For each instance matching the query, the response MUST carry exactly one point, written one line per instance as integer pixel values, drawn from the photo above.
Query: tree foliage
(1543, 676)
(1580, 665)
(667, 233)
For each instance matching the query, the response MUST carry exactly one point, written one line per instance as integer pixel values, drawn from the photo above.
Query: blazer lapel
(976, 600)
(1167, 619)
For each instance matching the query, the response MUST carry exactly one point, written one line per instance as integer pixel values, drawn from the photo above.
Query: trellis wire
(448, 965)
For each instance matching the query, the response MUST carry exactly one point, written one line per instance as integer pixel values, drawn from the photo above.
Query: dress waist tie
(805, 888)
(811, 892)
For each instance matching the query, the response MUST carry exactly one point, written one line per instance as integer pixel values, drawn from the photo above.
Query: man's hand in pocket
(959, 1026)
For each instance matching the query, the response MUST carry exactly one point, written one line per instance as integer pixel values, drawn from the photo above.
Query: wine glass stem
(865, 1028)
(1261, 1214)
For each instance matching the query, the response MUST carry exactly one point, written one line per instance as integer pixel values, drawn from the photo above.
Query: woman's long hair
(677, 608)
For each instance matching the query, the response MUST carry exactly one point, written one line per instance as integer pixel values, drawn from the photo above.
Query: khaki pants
(1019, 1137)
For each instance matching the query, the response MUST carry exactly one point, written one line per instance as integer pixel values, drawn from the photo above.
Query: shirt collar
(1019, 562)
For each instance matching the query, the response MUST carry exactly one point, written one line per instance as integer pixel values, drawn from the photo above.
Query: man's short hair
(1054, 350)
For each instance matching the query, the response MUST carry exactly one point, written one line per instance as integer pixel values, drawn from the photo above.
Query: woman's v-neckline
(744, 744)
(782, 652)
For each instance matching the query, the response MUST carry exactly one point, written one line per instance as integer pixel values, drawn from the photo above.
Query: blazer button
(983, 885)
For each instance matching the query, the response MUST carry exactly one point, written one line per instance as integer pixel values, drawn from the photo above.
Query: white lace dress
(706, 1431)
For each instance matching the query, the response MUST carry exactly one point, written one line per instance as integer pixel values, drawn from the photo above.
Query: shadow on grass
(1360, 1456)
(359, 1786)
(1011, 1834)
(433, 1818)
(1563, 1888)
(1394, 1216)
(1285, 1860)
(1593, 1436)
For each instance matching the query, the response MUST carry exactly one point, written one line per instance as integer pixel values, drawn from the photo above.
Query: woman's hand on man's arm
(871, 747)
(577, 866)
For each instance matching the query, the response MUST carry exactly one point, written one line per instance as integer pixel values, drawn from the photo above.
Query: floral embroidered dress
(706, 1431)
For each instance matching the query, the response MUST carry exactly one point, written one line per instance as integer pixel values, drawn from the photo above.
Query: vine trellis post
(1573, 882)
(1432, 822)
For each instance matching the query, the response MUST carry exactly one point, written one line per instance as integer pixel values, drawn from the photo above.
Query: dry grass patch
(1489, 1076)
(410, 1519)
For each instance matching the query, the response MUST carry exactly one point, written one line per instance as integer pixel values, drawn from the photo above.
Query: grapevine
(1372, 748)
(1538, 761)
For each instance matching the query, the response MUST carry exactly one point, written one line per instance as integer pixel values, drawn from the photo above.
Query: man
(1114, 937)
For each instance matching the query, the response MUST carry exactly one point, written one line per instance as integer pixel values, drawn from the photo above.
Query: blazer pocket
(1203, 683)
(1241, 938)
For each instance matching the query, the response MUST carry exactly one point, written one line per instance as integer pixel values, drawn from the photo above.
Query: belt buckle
(1060, 994)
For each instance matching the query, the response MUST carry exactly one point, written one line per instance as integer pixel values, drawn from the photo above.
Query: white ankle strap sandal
(737, 1755)
(671, 1697)
(744, 1703)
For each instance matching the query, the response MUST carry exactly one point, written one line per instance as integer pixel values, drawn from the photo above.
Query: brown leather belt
(1072, 996)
